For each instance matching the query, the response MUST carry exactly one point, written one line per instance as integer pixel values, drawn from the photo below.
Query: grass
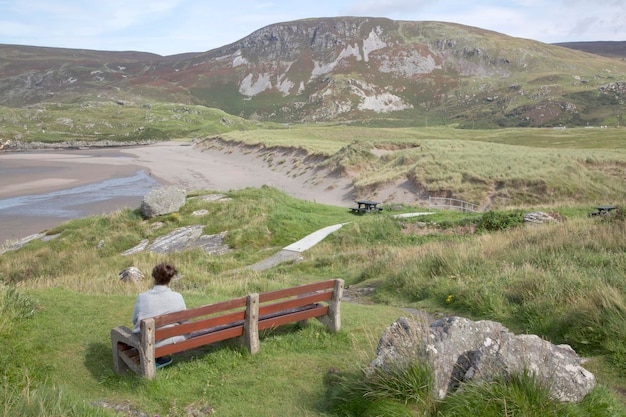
(226, 378)
(563, 281)
(115, 121)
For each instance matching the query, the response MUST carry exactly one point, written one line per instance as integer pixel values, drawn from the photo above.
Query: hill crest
(348, 69)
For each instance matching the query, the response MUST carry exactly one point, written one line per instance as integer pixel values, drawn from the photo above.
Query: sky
(168, 27)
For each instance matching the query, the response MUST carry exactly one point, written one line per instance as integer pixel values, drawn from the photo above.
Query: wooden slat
(132, 354)
(294, 303)
(199, 341)
(196, 312)
(230, 324)
(292, 317)
(194, 326)
(299, 290)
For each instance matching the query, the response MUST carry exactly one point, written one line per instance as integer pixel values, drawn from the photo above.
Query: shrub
(498, 220)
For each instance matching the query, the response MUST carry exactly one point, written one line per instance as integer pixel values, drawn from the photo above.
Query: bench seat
(241, 318)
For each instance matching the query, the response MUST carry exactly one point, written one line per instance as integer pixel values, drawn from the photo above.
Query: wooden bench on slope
(241, 318)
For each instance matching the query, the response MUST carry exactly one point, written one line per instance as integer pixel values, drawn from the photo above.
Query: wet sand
(180, 163)
(25, 173)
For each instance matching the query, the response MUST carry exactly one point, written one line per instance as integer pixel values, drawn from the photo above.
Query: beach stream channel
(37, 194)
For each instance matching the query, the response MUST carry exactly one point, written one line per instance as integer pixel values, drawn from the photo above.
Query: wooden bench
(241, 318)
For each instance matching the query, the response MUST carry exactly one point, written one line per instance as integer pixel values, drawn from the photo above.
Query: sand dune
(235, 167)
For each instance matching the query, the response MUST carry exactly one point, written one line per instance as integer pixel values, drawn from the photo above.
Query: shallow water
(69, 204)
(28, 214)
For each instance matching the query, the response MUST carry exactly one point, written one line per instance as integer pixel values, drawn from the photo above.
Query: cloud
(385, 7)
(176, 26)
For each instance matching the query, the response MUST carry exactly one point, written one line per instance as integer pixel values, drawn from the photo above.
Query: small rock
(131, 274)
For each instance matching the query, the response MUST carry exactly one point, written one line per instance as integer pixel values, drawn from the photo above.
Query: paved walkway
(293, 251)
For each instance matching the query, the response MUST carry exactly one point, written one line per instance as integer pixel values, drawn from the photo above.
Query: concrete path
(293, 251)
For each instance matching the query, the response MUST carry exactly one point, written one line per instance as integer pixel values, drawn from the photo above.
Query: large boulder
(163, 200)
(459, 350)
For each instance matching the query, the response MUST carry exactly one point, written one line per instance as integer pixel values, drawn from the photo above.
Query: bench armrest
(129, 353)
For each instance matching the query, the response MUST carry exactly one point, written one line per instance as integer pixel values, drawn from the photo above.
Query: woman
(157, 301)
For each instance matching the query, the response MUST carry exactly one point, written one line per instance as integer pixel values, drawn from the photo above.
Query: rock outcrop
(183, 238)
(459, 350)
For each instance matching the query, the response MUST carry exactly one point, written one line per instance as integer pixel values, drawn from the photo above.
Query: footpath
(293, 252)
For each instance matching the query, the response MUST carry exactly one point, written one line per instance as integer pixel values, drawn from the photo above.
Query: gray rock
(137, 249)
(189, 237)
(556, 366)
(213, 197)
(131, 274)
(177, 240)
(459, 350)
(181, 239)
(538, 217)
(163, 200)
(14, 245)
(211, 244)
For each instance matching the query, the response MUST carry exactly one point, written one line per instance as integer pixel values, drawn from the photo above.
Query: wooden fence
(452, 204)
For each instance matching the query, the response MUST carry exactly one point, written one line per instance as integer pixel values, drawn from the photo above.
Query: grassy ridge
(491, 168)
(114, 120)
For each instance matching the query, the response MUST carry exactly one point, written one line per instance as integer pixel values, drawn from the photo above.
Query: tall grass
(27, 400)
(522, 395)
(564, 281)
(403, 390)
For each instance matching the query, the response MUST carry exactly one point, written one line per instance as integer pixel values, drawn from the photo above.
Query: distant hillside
(351, 70)
(604, 48)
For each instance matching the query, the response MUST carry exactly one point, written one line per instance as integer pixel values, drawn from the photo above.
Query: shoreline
(28, 172)
(169, 163)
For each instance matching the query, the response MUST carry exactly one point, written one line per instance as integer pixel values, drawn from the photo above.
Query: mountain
(610, 49)
(350, 69)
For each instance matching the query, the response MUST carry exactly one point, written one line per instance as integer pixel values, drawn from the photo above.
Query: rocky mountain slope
(351, 69)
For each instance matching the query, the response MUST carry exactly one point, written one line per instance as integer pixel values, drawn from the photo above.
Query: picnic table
(366, 206)
(602, 210)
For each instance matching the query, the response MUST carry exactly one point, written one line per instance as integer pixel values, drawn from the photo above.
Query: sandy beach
(170, 163)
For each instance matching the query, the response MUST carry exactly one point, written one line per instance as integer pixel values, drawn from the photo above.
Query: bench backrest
(227, 319)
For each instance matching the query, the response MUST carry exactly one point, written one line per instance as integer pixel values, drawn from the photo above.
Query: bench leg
(117, 347)
(333, 319)
(251, 324)
(147, 366)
